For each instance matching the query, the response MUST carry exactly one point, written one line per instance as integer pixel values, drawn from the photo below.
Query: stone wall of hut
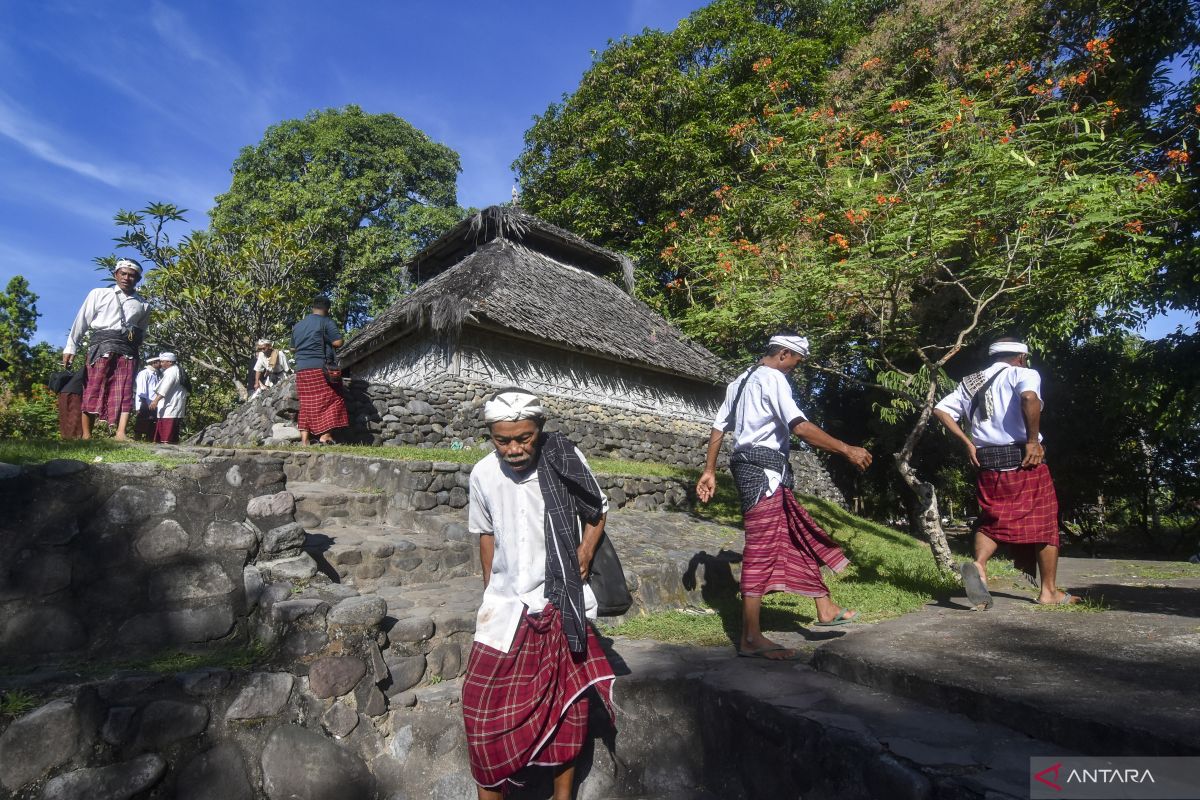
(449, 414)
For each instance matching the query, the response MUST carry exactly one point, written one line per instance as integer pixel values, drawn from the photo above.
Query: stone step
(326, 505)
(373, 556)
(430, 629)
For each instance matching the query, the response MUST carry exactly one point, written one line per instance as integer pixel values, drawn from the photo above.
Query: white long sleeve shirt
(101, 311)
(144, 386)
(510, 508)
(174, 396)
(263, 364)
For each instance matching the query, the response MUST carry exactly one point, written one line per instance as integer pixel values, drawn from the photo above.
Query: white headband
(167, 357)
(511, 407)
(797, 344)
(127, 263)
(1008, 347)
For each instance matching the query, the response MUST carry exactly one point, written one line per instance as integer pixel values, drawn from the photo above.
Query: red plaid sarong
(109, 390)
(322, 409)
(525, 706)
(70, 422)
(786, 548)
(166, 430)
(1018, 506)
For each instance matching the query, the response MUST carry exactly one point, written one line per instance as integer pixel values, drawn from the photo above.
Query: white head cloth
(1013, 348)
(127, 263)
(262, 343)
(167, 357)
(512, 406)
(797, 344)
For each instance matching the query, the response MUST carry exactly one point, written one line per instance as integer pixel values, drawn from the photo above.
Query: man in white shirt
(1017, 503)
(170, 400)
(785, 547)
(539, 514)
(116, 317)
(147, 381)
(270, 365)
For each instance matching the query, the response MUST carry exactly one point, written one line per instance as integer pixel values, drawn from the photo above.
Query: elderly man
(116, 317)
(1017, 503)
(785, 547)
(145, 418)
(270, 365)
(539, 514)
(170, 400)
(322, 407)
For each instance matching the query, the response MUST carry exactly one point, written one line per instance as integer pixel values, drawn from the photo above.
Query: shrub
(33, 415)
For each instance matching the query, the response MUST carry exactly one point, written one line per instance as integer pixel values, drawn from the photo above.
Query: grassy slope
(37, 451)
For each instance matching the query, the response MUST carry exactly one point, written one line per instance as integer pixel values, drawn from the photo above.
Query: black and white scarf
(571, 494)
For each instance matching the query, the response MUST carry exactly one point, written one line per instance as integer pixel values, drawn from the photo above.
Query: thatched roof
(515, 225)
(510, 286)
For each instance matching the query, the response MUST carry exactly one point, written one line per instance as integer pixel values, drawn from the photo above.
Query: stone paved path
(1122, 680)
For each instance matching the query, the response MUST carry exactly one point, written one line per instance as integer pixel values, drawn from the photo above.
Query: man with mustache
(116, 316)
(539, 514)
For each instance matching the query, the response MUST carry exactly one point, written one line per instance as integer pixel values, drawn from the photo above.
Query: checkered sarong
(525, 706)
(786, 548)
(1018, 506)
(109, 390)
(749, 477)
(322, 409)
(1002, 456)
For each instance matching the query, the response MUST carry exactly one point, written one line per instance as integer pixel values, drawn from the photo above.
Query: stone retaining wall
(449, 414)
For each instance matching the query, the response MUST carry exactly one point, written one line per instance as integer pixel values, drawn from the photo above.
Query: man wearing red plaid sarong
(1017, 503)
(785, 547)
(116, 318)
(322, 407)
(539, 514)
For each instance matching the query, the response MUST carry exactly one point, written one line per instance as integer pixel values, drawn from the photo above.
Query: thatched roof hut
(505, 298)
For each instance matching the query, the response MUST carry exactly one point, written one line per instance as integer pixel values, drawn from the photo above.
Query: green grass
(38, 451)
(890, 574)
(1087, 605)
(167, 662)
(1166, 570)
(16, 703)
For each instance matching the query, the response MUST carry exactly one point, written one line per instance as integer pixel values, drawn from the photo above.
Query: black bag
(608, 581)
(59, 380)
(331, 368)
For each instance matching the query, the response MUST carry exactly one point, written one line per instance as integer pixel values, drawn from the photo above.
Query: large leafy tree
(371, 189)
(941, 199)
(18, 323)
(645, 135)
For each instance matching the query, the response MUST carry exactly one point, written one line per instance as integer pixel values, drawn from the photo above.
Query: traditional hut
(506, 299)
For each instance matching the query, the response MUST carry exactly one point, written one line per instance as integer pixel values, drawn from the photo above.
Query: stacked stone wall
(450, 415)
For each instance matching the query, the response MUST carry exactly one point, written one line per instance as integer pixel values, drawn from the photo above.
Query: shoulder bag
(608, 581)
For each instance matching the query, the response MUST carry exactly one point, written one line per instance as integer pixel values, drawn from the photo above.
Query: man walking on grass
(539, 514)
(116, 317)
(785, 547)
(1017, 503)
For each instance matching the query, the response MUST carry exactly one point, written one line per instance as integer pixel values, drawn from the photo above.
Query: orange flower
(840, 241)
(872, 139)
(966, 102)
(899, 105)
(761, 64)
(1177, 157)
(946, 126)
(872, 63)
(922, 54)
(1134, 227)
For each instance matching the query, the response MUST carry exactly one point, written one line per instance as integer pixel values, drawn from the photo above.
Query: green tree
(904, 223)
(645, 135)
(372, 190)
(222, 291)
(18, 323)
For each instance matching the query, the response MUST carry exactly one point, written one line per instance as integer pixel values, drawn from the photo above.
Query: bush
(34, 415)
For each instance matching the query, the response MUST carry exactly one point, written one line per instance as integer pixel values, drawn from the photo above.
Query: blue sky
(110, 105)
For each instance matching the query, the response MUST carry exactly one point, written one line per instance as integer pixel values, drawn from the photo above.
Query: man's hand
(585, 554)
(154, 404)
(67, 359)
(973, 456)
(858, 457)
(706, 487)
(1034, 455)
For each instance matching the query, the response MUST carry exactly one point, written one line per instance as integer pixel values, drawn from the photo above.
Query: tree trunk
(928, 521)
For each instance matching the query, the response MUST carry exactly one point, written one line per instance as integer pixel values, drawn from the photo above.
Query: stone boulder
(37, 743)
(297, 762)
(115, 782)
(216, 774)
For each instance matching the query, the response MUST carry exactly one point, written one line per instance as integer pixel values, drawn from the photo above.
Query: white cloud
(23, 128)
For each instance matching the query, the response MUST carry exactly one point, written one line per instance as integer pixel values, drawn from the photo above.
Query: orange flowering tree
(925, 211)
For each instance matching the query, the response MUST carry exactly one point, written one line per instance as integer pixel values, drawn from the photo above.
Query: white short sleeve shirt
(1006, 425)
(766, 411)
(510, 507)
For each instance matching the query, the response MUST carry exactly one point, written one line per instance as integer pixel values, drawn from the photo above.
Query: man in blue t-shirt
(322, 408)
